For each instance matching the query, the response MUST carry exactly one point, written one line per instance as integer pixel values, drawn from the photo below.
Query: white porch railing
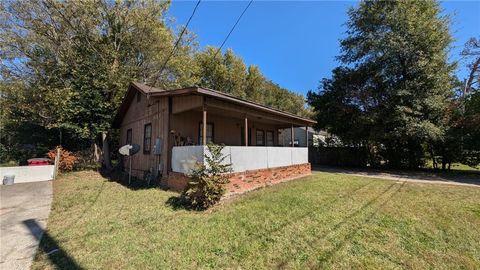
(242, 158)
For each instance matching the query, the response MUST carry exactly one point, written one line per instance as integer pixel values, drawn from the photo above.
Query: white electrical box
(157, 148)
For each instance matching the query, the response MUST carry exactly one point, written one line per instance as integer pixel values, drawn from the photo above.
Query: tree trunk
(434, 161)
(107, 163)
(60, 136)
(96, 151)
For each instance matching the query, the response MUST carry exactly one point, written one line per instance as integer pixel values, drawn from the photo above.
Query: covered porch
(250, 133)
(198, 120)
(242, 158)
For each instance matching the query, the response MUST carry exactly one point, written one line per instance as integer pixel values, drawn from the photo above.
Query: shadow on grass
(325, 259)
(56, 255)
(463, 177)
(135, 184)
(174, 202)
(178, 203)
(301, 217)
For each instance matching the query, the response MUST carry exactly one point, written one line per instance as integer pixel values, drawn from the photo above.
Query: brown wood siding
(153, 111)
(185, 119)
(185, 103)
(210, 102)
(227, 130)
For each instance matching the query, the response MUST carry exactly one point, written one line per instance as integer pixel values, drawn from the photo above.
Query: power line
(231, 30)
(176, 45)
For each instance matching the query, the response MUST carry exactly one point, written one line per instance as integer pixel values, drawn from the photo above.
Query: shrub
(208, 180)
(85, 160)
(67, 159)
(4, 157)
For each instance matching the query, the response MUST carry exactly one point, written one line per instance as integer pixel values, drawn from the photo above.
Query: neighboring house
(315, 138)
(172, 128)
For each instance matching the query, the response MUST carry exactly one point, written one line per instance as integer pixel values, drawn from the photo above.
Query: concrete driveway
(464, 179)
(24, 209)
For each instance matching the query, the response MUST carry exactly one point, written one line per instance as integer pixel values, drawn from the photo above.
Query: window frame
(129, 139)
(263, 137)
(273, 138)
(145, 150)
(200, 135)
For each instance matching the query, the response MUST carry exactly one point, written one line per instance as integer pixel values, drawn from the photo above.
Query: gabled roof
(155, 92)
(145, 88)
(129, 96)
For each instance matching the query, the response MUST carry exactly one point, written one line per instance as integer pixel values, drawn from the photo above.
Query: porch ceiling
(198, 97)
(226, 109)
(213, 96)
(241, 116)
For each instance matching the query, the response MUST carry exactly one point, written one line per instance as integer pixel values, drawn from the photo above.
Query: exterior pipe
(292, 136)
(204, 126)
(306, 136)
(246, 130)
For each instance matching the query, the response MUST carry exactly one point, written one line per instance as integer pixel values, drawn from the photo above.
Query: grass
(321, 221)
(463, 167)
(10, 163)
(454, 167)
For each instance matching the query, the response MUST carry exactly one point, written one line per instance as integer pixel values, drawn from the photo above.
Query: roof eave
(204, 92)
(215, 94)
(125, 104)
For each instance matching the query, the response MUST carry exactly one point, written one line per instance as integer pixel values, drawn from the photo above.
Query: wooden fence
(338, 156)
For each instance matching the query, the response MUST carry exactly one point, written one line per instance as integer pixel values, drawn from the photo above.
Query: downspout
(169, 150)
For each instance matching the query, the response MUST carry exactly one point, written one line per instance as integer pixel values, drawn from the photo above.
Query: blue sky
(295, 43)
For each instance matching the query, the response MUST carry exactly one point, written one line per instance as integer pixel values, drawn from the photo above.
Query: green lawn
(322, 221)
(9, 164)
(454, 167)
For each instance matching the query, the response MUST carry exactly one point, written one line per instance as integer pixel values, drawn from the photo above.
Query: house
(173, 127)
(314, 137)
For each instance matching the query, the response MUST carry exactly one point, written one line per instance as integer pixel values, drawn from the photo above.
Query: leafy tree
(470, 114)
(462, 136)
(223, 72)
(254, 82)
(228, 73)
(66, 64)
(393, 87)
(471, 131)
(472, 53)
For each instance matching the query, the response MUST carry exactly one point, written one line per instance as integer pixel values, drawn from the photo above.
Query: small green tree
(208, 179)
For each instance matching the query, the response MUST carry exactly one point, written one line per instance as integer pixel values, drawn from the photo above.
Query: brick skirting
(248, 180)
(176, 181)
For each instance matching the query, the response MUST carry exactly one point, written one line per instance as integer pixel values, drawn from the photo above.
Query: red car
(38, 161)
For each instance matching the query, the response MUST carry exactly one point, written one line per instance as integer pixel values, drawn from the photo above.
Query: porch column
(306, 136)
(246, 131)
(292, 136)
(204, 126)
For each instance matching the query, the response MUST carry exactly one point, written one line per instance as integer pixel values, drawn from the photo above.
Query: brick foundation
(248, 180)
(176, 181)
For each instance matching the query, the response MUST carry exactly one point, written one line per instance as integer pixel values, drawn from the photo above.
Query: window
(260, 137)
(147, 138)
(129, 136)
(269, 138)
(139, 96)
(209, 133)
